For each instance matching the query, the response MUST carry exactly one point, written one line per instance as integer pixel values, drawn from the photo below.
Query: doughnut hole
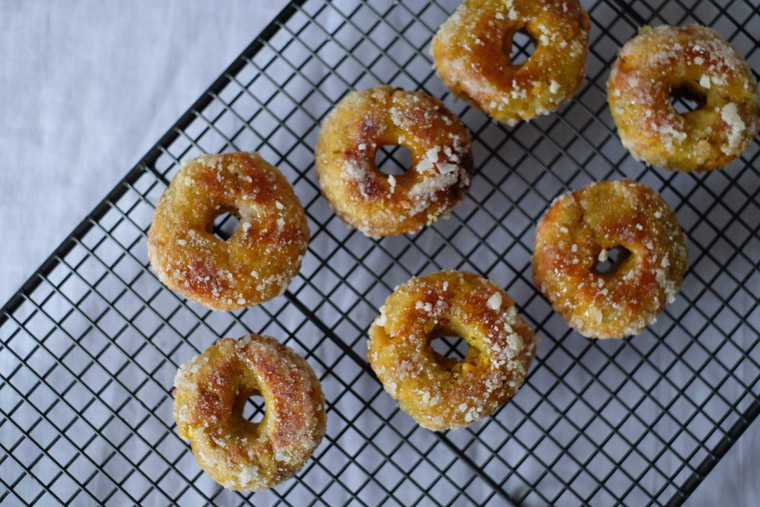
(248, 410)
(393, 160)
(687, 97)
(611, 260)
(254, 407)
(224, 224)
(448, 346)
(451, 350)
(519, 46)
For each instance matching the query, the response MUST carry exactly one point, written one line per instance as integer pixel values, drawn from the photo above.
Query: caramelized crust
(382, 205)
(211, 392)
(258, 261)
(440, 392)
(580, 228)
(471, 52)
(691, 61)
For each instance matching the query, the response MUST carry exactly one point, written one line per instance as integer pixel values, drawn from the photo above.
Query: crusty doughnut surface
(211, 392)
(258, 261)
(379, 204)
(577, 233)
(471, 52)
(691, 62)
(441, 392)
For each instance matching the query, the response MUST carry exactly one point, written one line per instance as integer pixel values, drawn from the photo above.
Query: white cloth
(88, 87)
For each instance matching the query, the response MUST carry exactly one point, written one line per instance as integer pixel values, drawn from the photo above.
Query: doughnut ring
(211, 392)
(471, 51)
(382, 205)
(691, 62)
(258, 261)
(576, 234)
(441, 392)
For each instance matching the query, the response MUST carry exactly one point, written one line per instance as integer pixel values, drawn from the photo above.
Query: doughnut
(258, 261)
(471, 51)
(578, 232)
(690, 62)
(378, 204)
(211, 392)
(441, 392)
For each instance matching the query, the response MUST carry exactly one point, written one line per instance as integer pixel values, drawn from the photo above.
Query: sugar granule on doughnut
(378, 204)
(211, 392)
(691, 62)
(577, 233)
(258, 261)
(442, 392)
(471, 51)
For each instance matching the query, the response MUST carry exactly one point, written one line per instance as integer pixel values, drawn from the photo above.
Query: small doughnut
(691, 62)
(383, 205)
(442, 392)
(258, 261)
(578, 231)
(211, 392)
(471, 52)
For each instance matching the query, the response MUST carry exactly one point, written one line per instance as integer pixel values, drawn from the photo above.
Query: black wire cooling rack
(91, 343)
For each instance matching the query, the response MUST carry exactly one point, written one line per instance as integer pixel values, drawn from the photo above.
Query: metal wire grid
(91, 343)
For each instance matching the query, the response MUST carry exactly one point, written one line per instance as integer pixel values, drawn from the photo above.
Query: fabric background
(87, 87)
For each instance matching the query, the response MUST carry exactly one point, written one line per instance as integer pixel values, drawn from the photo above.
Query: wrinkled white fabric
(87, 88)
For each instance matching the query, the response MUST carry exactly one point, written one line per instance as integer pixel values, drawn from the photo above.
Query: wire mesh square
(90, 345)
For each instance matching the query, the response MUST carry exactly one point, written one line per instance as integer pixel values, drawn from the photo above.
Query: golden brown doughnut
(382, 205)
(211, 392)
(441, 392)
(258, 261)
(689, 61)
(471, 52)
(580, 228)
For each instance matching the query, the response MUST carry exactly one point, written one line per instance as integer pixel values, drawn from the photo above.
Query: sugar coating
(260, 258)
(600, 217)
(697, 59)
(730, 116)
(469, 51)
(444, 393)
(208, 408)
(494, 302)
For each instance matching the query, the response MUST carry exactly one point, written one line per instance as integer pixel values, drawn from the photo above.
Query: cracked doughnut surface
(691, 61)
(471, 51)
(211, 392)
(579, 230)
(441, 392)
(258, 261)
(379, 204)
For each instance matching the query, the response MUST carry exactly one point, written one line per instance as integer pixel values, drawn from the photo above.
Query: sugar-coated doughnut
(471, 52)
(379, 204)
(258, 261)
(692, 62)
(441, 392)
(580, 229)
(211, 392)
